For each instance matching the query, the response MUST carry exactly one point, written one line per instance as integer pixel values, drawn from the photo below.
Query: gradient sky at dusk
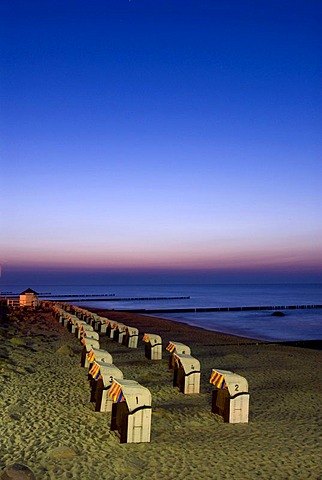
(162, 135)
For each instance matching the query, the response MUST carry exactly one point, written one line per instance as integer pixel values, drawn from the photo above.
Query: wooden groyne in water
(115, 299)
(225, 309)
(54, 296)
(76, 295)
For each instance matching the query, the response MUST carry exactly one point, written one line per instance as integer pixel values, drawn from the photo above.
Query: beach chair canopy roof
(121, 327)
(109, 371)
(85, 326)
(90, 343)
(78, 322)
(57, 308)
(188, 363)
(232, 381)
(152, 338)
(91, 334)
(134, 394)
(101, 355)
(132, 330)
(177, 347)
(102, 320)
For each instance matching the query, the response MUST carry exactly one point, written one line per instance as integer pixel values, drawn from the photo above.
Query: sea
(294, 325)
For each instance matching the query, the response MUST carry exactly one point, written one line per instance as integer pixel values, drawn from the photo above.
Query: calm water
(295, 325)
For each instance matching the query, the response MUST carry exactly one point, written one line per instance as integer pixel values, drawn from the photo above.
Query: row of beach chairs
(129, 402)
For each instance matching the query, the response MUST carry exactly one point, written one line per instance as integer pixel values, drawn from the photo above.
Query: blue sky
(163, 136)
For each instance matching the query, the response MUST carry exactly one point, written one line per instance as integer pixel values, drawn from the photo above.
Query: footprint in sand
(17, 471)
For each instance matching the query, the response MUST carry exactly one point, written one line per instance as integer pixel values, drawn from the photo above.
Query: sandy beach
(49, 423)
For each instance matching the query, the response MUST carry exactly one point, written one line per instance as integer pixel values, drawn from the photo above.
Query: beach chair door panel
(107, 402)
(139, 426)
(191, 383)
(103, 328)
(239, 409)
(135, 427)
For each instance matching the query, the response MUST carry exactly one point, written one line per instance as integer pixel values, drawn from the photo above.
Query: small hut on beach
(28, 298)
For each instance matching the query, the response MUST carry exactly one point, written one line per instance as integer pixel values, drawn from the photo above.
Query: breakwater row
(71, 295)
(117, 299)
(53, 296)
(224, 309)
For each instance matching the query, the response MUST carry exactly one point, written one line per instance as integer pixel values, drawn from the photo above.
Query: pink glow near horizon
(259, 256)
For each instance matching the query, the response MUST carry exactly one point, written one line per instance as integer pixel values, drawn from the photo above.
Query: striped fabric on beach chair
(218, 380)
(115, 392)
(95, 371)
(171, 347)
(90, 356)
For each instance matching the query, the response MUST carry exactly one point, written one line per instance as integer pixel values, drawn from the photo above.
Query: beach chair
(78, 326)
(186, 373)
(88, 344)
(67, 318)
(98, 323)
(59, 313)
(102, 326)
(94, 319)
(108, 329)
(131, 411)
(82, 328)
(153, 346)
(72, 323)
(120, 333)
(89, 334)
(176, 347)
(97, 354)
(113, 331)
(230, 398)
(103, 376)
(130, 339)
